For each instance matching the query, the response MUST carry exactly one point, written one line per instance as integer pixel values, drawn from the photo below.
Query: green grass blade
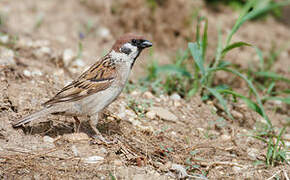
(260, 10)
(219, 48)
(286, 91)
(269, 154)
(257, 10)
(261, 58)
(240, 21)
(253, 89)
(204, 39)
(173, 69)
(271, 87)
(232, 46)
(275, 150)
(268, 74)
(196, 53)
(285, 100)
(220, 98)
(251, 104)
(182, 58)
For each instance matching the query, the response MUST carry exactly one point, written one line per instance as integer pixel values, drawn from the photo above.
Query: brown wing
(99, 77)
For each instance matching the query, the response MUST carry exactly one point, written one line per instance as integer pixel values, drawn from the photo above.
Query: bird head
(129, 46)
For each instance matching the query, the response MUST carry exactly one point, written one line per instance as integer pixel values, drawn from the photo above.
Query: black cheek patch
(125, 50)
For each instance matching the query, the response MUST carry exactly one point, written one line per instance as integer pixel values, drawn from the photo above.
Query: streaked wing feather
(97, 78)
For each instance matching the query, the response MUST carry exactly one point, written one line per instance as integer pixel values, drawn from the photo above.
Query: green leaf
(194, 90)
(180, 59)
(275, 150)
(220, 98)
(253, 89)
(282, 99)
(204, 39)
(196, 53)
(256, 11)
(234, 45)
(261, 58)
(251, 104)
(286, 91)
(224, 64)
(240, 20)
(271, 87)
(269, 151)
(173, 69)
(272, 75)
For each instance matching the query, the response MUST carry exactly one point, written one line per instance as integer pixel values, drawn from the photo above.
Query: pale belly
(97, 102)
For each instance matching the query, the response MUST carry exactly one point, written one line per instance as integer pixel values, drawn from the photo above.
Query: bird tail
(45, 111)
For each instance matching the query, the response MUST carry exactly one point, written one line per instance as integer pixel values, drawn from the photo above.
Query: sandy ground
(156, 137)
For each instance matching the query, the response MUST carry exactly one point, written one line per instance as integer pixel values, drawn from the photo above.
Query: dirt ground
(164, 137)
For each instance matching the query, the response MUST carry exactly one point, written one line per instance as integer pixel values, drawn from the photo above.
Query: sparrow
(97, 87)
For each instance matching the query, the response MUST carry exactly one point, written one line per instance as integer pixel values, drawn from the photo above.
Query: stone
(175, 97)
(93, 159)
(76, 137)
(253, 153)
(180, 170)
(6, 57)
(237, 115)
(237, 169)
(130, 113)
(165, 167)
(150, 115)
(225, 137)
(27, 73)
(67, 56)
(48, 139)
(104, 32)
(75, 150)
(148, 95)
(78, 63)
(177, 103)
(4, 39)
(42, 51)
(164, 114)
(118, 162)
(135, 93)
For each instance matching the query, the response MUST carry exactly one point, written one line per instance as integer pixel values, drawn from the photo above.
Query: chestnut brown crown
(136, 40)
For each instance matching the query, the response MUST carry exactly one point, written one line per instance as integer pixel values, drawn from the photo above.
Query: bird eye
(134, 41)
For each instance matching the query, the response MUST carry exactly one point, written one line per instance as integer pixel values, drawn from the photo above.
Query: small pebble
(237, 114)
(164, 114)
(93, 159)
(67, 56)
(175, 97)
(48, 139)
(76, 137)
(253, 153)
(225, 137)
(148, 95)
(118, 162)
(180, 170)
(75, 150)
(4, 39)
(150, 115)
(166, 166)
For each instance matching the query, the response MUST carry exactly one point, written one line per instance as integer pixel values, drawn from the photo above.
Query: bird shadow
(105, 126)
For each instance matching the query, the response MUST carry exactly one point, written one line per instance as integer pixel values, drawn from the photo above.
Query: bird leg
(93, 122)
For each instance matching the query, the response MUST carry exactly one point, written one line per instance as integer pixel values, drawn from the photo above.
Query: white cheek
(118, 57)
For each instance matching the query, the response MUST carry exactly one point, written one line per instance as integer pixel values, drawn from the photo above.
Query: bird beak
(145, 44)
